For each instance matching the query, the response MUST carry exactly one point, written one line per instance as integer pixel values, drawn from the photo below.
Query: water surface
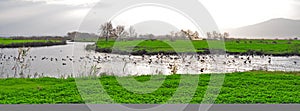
(73, 60)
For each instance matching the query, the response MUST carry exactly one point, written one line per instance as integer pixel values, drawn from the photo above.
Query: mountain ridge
(273, 28)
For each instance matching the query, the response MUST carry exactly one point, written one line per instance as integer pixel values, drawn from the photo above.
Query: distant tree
(189, 34)
(172, 35)
(132, 32)
(119, 31)
(124, 34)
(147, 36)
(226, 35)
(196, 35)
(150, 36)
(209, 35)
(179, 34)
(71, 35)
(220, 36)
(215, 35)
(106, 30)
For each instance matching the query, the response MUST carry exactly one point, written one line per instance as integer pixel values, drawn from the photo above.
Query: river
(73, 60)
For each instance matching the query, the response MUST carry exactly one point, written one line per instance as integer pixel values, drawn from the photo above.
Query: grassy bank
(247, 87)
(259, 47)
(12, 43)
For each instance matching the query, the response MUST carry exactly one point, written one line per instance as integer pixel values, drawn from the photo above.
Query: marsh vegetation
(27, 42)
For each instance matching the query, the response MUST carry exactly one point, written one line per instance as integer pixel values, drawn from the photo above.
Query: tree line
(108, 31)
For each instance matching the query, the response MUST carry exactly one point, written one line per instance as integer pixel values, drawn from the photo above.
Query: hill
(274, 28)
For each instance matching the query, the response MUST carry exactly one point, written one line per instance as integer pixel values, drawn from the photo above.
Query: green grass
(238, 88)
(232, 46)
(38, 91)
(7, 41)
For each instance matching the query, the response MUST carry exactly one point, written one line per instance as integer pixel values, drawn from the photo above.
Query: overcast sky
(57, 17)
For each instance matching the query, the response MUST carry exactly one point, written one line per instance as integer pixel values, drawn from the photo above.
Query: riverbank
(238, 88)
(16, 43)
(236, 47)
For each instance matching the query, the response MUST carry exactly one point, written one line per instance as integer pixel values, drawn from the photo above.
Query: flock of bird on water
(161, 59)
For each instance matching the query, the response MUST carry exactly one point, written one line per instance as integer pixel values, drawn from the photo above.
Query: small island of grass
(30, 42)
(232, 46)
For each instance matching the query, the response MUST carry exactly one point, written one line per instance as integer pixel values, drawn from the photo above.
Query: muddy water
(73, 60)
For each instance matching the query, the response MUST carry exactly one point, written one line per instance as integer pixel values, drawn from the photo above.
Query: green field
(6, 41)
(238, 88)
(279, 47)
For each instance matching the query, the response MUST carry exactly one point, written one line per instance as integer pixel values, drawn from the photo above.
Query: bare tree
(176, 35)
(132, 32)
(180, 34)
(188, 33)
(226, 35)
(172, 35)
(119, 30)
(191, 35)
(196, 35)
(124, 34)
(220, 36)
(209, 35)
(106, 30)
(215, 35)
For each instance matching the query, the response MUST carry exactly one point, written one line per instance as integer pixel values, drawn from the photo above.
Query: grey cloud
(36, 18)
